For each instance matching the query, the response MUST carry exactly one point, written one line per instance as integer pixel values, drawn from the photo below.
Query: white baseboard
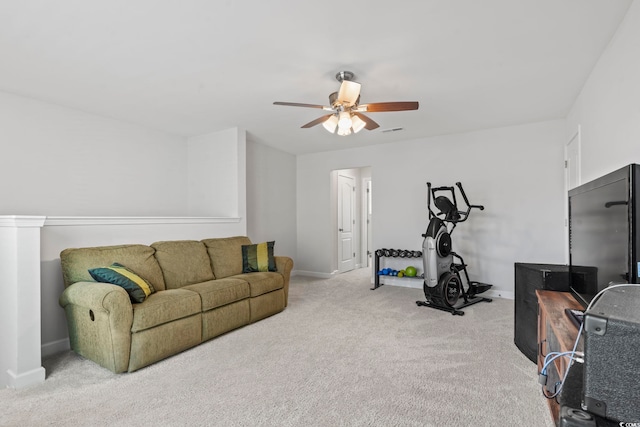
(313, 274)
(25, 379)
(54, 347)
(499, 293)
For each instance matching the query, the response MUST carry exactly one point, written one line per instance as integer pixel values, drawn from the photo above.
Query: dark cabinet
(528, 279)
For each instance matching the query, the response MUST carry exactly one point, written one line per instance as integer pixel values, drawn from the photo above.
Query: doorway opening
(351, 211)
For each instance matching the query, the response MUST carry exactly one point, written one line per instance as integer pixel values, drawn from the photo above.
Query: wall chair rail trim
(134, 220)
(21, 221)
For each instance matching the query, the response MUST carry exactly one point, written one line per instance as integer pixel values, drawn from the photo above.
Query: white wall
(217, 177)
(59, 161)
(271, 197)
(515, 172)
(608, 107)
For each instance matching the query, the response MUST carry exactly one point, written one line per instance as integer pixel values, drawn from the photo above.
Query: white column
(20, 341)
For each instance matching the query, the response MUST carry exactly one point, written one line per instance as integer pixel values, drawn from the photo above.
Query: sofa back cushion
(183, 262)
(226, 255)
(76, 263)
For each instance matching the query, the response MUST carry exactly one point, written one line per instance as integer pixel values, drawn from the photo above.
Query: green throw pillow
(258, 257)
(117, 274)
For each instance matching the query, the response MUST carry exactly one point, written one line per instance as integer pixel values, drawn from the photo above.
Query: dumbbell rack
(392, 253)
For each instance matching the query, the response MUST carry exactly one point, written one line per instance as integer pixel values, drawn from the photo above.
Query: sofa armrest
(284, 265)
(99, 319)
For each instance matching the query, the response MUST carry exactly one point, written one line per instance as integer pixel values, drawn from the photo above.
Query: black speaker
(611, 382)
(570, 401)
(530, 277)
(571, 417)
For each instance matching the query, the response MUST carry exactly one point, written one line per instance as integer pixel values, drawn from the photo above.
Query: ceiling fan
(346, 113)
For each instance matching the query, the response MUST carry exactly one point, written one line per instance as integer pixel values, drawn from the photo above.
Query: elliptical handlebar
(462, 215)
(431, 213)
(464, 196)
(466, 200)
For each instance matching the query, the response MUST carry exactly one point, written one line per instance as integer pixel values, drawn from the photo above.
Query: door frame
(576, 138)
(366, 228)
(359, 173)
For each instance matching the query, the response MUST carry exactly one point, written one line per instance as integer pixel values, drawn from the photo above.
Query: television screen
(599, 235)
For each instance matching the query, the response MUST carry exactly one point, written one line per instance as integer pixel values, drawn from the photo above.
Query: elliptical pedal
(476, 288)
(458, 267)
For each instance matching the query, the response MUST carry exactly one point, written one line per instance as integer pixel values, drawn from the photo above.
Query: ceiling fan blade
(348, 93)
(378, 107)
(297, 104)
(369, 124)
(317, 121)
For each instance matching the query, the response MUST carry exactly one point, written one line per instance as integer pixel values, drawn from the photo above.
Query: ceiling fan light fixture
(344, 131)
(331, 124)
(345, 121)
(349, 93)
(357, 124)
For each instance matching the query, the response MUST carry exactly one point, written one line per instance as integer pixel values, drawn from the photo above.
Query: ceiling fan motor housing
(345, 75)
(333, 98)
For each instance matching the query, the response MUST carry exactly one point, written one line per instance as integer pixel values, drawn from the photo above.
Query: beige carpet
(339, 355)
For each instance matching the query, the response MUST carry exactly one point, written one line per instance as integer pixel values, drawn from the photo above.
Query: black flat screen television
(603, 233)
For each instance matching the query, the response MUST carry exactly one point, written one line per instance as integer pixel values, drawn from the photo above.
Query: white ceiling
(196, 66)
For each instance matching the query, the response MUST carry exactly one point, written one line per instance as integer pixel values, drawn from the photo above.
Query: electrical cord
(573, 355)
(554, 355)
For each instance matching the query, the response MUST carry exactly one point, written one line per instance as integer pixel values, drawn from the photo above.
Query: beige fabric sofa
(201, 293)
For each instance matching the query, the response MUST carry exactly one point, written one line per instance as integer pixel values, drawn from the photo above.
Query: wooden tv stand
(556, 332)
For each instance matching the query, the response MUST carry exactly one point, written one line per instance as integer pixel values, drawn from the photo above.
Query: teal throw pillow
(117, 274)
(258, 257)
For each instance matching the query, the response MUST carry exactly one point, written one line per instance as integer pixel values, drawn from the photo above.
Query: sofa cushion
(163, 307)
(76, 263)
(258, 257)
(216, 293)
(226, 255)
(183, 262)
(262, 282)
(117, 274)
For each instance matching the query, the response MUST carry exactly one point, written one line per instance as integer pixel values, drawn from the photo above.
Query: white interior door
(346, 223)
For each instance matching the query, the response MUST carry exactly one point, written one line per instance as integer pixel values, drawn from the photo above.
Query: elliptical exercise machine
(443, 285)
